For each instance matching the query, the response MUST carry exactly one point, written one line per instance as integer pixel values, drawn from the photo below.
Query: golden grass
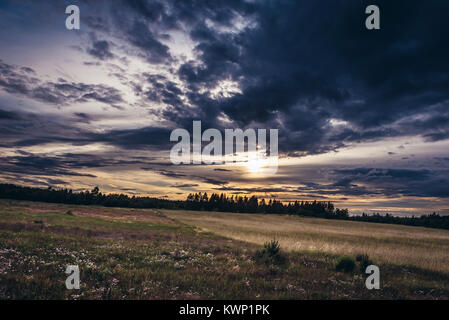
(401, 245)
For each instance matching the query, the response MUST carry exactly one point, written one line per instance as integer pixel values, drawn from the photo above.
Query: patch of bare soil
(115, 214)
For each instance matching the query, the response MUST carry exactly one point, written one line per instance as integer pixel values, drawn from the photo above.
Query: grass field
(157, 254)
(402, 245)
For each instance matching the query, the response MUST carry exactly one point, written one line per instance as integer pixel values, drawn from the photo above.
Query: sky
(362, 114)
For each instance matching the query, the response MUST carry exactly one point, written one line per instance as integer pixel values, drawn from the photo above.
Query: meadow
(401, 245)
(161, 254)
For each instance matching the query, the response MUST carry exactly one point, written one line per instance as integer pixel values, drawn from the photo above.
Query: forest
(214, 202)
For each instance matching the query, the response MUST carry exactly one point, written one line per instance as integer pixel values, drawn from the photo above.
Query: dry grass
(111, 214)
(143, 254)
(401, 245)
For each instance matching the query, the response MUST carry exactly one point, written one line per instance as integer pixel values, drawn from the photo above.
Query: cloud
(152, 49)
(312, 71)
(213, 181)
(14, 79)
(100, 49)
(392, 182)
(40, 166)
(301, 92)
(171, 174)
(253, 190)
(9, 115)
(141, 138)
(185, 185)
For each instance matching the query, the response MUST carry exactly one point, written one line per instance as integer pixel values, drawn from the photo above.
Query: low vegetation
(147, 254)
(270, 254)
(345, 264)
(364, 261)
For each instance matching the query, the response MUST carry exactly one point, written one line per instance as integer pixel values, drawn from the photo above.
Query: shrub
(69, 213)
(270, 254)
(364, 262)
(345, 264)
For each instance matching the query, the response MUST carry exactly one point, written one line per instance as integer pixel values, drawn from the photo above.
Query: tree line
(214, 202)
(244, 204)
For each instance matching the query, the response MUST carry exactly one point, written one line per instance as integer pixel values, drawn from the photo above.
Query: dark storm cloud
(390, 173)
(313, 71)
(69, 92)
(13, 79)
(321, 64)
(162, 90)
(69, 164)
(16, 80)
(350, 182)
(38, 165)
(100, 49)
(21, 129)
(142, 138)
(142, 25)
(152, 49)
(169, 15)
(9, 115)
(299, 65)
(36, 181)
(418, 183)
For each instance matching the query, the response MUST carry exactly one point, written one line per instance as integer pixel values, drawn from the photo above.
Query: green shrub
(364, 262)
(345, 264)
(270, 254)
(69, 213)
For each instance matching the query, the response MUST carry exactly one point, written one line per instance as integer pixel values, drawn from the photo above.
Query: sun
(255, 166)
(258, 164)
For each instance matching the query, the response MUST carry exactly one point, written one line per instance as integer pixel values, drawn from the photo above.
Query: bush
(69, 213)
(270, 254)
(364, 262)
(345, 264)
